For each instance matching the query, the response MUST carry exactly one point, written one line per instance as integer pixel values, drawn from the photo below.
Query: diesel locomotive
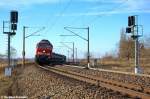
(45, 54)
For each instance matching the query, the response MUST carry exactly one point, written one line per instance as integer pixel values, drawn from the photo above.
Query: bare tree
(126, 46)
(145, 48)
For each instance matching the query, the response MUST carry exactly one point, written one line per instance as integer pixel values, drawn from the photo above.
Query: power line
(113, 9)
(61, 13)
(82, 18)
(47, 22)
(99, 16)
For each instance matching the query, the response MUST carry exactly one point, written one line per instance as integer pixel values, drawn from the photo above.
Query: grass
(5, 84)
(121, 64)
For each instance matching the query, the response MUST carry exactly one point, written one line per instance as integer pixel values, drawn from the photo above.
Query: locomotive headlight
(44, 51)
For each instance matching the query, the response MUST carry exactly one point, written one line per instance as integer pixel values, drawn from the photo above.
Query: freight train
(45, 54)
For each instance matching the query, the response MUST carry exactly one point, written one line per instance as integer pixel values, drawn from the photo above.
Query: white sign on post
(8, 71)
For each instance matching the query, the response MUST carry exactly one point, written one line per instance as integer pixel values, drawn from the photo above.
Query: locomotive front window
(43, 45)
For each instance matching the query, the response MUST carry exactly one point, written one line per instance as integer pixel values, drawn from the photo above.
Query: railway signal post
(11, 31)
(133, 28)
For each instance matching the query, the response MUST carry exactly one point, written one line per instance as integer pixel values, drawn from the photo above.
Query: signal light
(128, 30)
(134, 36)
(13, 26)
(14, 16)
(131, 20)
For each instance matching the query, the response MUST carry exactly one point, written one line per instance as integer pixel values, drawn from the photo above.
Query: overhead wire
(99, 16)
(47, 23)
(110, 10)
(113, 9)
(61, 13)
(78, 17)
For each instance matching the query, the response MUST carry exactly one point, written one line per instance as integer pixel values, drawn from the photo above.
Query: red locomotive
(44, 54)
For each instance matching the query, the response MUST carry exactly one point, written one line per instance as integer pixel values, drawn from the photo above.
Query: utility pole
(70, 48)
(86, 39)
(73, 52)
(68, 55)
(76, 56)
(135, 35)
(23, 52)
(88, 49)
(137, 65)
(24, 37)
(9, 49)
(137, 50)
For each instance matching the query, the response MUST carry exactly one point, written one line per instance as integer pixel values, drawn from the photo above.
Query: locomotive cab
(43, 52)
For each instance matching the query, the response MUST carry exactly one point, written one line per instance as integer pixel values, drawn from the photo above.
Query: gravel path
(37, 83)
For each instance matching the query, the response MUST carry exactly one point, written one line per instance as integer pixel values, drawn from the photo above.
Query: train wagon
(58, 59)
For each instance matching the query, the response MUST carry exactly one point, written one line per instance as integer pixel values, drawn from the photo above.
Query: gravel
(125, 78)
(37, 83)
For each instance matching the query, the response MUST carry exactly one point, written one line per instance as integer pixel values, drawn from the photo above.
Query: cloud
(104, 1)
(140, 4)
(15, 3)
(105, 13)
(101, 8)
(121, 7)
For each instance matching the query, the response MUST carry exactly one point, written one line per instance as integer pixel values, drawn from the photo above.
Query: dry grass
(2, 66)
(121, 64)
(5, 84)
(127, 65)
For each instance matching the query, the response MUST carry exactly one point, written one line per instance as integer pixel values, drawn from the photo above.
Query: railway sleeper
(147, 90)
(105, 90)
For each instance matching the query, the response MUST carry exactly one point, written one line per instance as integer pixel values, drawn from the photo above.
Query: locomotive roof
(45, 41)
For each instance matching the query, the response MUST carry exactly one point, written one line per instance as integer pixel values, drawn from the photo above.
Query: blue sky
(105, 19)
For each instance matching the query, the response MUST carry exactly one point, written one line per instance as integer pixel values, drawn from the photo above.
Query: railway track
(139, 81)
(130, 90)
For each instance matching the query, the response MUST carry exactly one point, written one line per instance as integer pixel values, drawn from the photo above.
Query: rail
(127, 89)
